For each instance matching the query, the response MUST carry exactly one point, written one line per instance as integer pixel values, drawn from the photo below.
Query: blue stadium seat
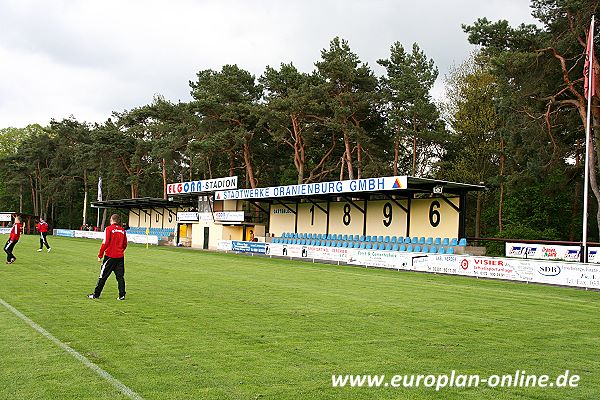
(445, 242)
(345, 237)
(422, 240)
(425, 249)
(462, 242)
(429, 241)
(355, 238)
(437, 241)
(375, 246)
(356, 245)
(368, 238)
(393, 239)
(275, 240)
(407, 240)
(414, 240)
(450, 250)
(361, 238)
(345, 245)
(387, 239)
(433, 249)
(409, 247)
(454, 242)
(388, 246)
(401, 248)
(441, 250)
(417, 249)
(333, 236)
(369, 246)
(380, 239)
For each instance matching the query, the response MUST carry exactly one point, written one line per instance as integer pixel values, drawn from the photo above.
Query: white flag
(100, 189)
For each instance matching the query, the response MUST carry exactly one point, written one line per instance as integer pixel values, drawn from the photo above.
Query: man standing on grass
(15, 234)
(113, 250)
(42, 228)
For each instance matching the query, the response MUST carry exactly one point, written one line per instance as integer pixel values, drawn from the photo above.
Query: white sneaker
(49, 248)
(121, 298)
(39, 250)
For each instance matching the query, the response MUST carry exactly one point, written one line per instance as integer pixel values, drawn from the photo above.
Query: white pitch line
(111, 379)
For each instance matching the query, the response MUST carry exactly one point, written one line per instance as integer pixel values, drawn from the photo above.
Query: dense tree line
(512, 118)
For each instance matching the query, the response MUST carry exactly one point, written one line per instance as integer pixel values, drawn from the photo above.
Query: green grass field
(200, 325)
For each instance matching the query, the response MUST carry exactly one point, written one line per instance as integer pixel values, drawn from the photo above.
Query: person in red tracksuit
(15, 234)
(113, 249)
(42, 228)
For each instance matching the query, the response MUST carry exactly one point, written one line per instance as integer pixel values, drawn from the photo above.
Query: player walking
(113, 250)
(42, 228)
(15, 234)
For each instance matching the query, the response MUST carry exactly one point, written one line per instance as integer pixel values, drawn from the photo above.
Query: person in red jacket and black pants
(113, 250)
(15, 234)
(42, 228)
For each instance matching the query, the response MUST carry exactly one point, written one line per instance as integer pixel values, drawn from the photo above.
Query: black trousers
(44, 240)
(116, 265)
(8, 248)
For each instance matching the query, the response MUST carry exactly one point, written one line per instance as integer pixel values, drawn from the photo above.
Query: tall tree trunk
(414, 158)
(478, 215)
(501, 202)
(348, 156)
(299, 151)
(342, 165)
(396, 153)
(577, 194)
(164, 177)
(248, 162)
(231, 163)
(20, 198)
(85, 195)
(359, 161)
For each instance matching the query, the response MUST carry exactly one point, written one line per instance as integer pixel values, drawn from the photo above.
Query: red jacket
(42, 227)
(114, 243)
(15, 232)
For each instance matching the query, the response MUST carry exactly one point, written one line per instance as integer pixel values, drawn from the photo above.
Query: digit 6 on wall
(434, 214)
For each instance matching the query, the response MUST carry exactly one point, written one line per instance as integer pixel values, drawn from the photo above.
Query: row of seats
(369, 246)
(153, 231)
(377, 239)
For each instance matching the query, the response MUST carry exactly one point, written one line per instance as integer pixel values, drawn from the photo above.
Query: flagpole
(584, 247)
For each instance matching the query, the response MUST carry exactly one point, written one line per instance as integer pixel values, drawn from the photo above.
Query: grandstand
(390, 243)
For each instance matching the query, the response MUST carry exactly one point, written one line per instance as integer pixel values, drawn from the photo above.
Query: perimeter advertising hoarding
(381, 258)
(249, 247)
(550, 252)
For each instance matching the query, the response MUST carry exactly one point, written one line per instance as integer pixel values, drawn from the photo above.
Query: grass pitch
(199, 325)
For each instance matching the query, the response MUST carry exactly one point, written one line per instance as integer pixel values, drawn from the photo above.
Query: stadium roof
(145, 202)
(397, 186)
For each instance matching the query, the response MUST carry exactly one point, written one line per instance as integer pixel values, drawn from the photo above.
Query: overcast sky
(90, 58)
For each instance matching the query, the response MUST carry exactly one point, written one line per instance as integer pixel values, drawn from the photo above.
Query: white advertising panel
(209, 185)
(4, 231)
(381, 258)
(187, 216)
(5, 217)
(229, 216)
(334, 187)
(543, 251)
